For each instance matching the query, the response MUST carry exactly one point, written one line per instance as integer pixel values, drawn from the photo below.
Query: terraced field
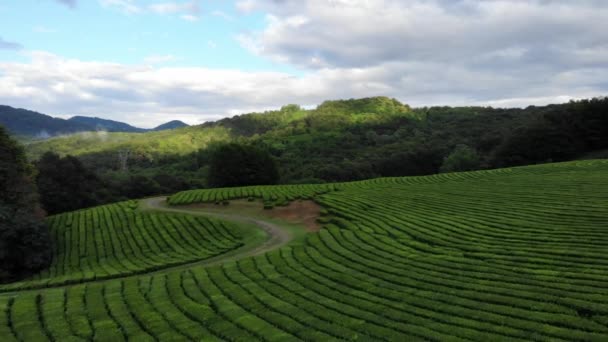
(116, 240)
(513, 254)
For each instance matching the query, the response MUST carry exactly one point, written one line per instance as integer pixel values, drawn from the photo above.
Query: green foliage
(117, 240)
(24, 239)
(344, 141)
(462, 158)
(144, 147)
(379, 105)
(499, 255)
(65, 184)
(558, 133)
(240, 165)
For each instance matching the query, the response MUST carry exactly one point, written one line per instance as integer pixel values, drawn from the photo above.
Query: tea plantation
(516, 254)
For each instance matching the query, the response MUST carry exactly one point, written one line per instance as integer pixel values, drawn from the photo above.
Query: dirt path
(277, 236)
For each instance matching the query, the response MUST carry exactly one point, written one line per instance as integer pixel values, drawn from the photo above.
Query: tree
(539, 142)
(414, 161)
(139, 186)
(25, 242)
(66, 184)
(462, 158)
(240, 165)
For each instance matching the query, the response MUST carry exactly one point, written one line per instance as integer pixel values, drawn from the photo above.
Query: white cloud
(192, 7)
(147, 95)
(190, 17)
(189, 11)
(43, 29)
(246, 5)
(509, 36)
(222, 15)
(125, 6)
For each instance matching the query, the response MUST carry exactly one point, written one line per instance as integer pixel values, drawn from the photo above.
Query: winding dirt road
(277, 237)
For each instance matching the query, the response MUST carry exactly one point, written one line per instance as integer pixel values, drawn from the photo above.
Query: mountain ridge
(32, 124)
(106, 125)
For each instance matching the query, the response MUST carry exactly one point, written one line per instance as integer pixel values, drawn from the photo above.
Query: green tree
(25, 243)
(65, 184)
(462, 158)
(141, 186)
(239, 165)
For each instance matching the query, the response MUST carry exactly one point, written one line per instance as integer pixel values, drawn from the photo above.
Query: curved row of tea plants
(506, 255)
(278, 195)
(117, 240)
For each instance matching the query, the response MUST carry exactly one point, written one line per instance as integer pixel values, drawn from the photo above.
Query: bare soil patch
(302, 212)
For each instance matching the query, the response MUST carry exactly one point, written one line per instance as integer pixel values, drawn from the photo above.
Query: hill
(170, 125)
(117, 126)
(30, 124)
(145, 147)
(24, 122)
(99, 124)
(360, 138)
(507, 254)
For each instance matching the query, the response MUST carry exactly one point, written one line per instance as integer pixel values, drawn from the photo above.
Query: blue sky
(92, 30)
(148, 62)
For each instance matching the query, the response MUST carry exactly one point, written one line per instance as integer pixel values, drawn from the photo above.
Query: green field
(509, 254)
(116, 240)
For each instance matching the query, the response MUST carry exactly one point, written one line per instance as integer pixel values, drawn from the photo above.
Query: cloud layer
(361, 33)
(463, 49)
(438, 52)
(187, 10)
(148, 95)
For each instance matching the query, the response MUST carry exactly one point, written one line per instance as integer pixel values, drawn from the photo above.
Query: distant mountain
(171, 125)
(27, 123)
(100, 124)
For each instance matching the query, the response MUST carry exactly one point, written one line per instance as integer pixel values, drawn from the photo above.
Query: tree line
(338, 141)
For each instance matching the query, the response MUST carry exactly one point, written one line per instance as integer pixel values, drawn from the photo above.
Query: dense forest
(24, 237)
(337, 141)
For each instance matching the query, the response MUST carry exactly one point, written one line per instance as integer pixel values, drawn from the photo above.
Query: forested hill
(24, 122)
(360, 138)
(27, 123)
(170, 125)
(117, 126)
(106, 125)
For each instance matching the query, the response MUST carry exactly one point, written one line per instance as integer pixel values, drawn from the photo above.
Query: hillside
(106, 125)
(145, 146)
(117, 126)
(24, 122)
(354, 139)
(30, 124)
(507, 254)
(170, 125)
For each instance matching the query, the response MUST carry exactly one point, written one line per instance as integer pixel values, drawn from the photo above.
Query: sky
(149, 62)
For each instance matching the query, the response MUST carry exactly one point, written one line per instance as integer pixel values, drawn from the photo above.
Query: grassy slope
(117, 240)
(169, 142)
(509, 254)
